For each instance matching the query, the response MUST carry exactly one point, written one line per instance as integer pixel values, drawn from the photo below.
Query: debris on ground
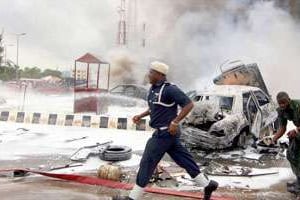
(75, 139)
(20, 173)
(110, 172)
(66, 166)
(83, 153)
(218, 169)
(115, 153)
(23, 129)
(266, 145)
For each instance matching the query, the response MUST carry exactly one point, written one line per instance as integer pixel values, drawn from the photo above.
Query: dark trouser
(293, 156)
(160, 143)
(295, 165)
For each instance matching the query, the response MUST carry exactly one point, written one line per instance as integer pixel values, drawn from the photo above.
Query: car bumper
(197, 138)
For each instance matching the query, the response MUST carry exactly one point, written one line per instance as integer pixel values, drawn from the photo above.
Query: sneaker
(208, 190)
(118, 197)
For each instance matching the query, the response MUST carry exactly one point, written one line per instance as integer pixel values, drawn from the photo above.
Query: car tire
(116, 153)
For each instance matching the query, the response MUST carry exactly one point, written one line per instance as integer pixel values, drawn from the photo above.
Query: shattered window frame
(230, 105)
(197, 98)
(219, 98)
(191, 94)
(262, 99)
(253, 108)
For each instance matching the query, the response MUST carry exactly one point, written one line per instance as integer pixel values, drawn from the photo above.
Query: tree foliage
(8, 73)
(33, 72)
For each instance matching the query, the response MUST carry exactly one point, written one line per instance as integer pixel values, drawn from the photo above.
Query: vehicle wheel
(116, 153)
(241, 140)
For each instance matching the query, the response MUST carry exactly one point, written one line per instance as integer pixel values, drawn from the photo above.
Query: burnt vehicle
(125, 95)
(130, 90)
(229, 115)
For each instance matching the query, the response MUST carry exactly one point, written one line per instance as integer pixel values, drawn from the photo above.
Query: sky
(194, 37)
(57, 32)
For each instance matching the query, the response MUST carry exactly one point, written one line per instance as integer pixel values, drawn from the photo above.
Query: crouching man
(290, 110)
(163, 101)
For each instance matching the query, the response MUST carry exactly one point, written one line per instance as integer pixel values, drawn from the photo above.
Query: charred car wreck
(232, 112)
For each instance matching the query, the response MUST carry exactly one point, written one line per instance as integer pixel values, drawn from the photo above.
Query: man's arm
(175, 122)
(294, 133)
(184, 112)
(279, 133)
(137, 118)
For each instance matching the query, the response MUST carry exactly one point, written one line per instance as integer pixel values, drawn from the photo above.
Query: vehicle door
(253, 113)
(269, 113)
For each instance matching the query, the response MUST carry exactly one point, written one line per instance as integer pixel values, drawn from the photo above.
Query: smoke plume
(195, 37)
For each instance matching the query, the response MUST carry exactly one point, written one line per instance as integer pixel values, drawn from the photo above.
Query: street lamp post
(5, 52)
(17, 59)
(18, 37)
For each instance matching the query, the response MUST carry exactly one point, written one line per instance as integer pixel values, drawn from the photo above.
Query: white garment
(201, 180)
(136, 193)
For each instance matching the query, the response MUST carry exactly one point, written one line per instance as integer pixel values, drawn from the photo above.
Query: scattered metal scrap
(83, 153)
(266, 146)
(160, 174)
(66, 166)
(23, 129)
(105, 151)
(218, 169)
(75, 139)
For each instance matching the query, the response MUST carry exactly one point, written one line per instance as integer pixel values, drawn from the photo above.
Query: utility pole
(2, 49)
(122, 37)
(18, 38)
(144, 36)
(5, 52)
(18, 35)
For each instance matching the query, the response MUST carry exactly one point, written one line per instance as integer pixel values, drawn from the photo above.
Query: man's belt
(162, 128)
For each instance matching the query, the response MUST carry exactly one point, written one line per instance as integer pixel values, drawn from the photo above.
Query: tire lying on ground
(116, 153)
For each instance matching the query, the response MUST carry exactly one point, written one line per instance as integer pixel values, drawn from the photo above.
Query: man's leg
(154, 151)
(185, 160)
(294, 186)
(296, 169)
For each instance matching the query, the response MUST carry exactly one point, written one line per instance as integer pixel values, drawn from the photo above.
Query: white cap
(160, 67)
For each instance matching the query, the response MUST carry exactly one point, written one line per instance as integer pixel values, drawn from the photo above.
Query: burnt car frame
(228, 114)
(125, 95)
(130, 90)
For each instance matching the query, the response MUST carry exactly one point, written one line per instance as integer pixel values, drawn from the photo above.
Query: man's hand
(279, 133)
(173, 128)
(292, 134)
(136, 119)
